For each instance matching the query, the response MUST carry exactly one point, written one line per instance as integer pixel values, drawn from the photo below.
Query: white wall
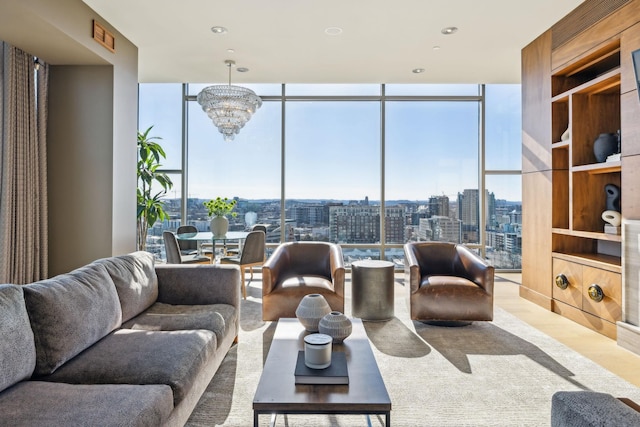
(92, 128)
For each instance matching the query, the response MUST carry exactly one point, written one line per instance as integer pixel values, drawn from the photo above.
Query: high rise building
(439, 205)
(361, 224)
(312, 215)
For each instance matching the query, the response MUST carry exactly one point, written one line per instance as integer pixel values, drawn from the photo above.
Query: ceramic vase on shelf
(605, 145)
(219, 225)
(336, 325)
(311, 309)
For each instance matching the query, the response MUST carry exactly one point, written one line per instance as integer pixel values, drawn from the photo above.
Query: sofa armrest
(412, 275)
(475, 269)
(588, 408)
(198, 284)
(337, 269)
(277, 262)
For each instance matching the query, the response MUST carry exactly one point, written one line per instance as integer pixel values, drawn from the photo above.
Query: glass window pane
(432, 168)
(332, 89)
(503, 137)
(161, 107)
(247, 169)
(259, 89)
(432, 90)
(172, 206)
(504, 221)
(332, 172)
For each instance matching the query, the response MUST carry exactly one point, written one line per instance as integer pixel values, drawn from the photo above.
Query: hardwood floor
(602, 350)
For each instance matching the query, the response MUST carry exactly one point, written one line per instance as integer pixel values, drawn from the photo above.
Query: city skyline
(332, 148)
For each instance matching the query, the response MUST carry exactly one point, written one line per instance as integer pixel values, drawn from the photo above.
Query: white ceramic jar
(317, 351)
(311, 309)
(336, 325)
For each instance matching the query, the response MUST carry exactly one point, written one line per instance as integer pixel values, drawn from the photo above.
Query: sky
(333, 148)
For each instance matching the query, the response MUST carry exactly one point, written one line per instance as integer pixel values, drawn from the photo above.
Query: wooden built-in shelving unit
(586, 85)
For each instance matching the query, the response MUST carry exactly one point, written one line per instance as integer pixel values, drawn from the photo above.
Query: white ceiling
(285, 41)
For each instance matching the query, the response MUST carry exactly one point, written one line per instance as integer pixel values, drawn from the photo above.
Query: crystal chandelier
(229, 107)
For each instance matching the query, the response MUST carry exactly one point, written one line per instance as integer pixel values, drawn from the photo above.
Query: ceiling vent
(581, 18)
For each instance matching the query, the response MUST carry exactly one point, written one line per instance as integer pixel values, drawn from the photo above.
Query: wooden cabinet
(585, 103)
(591, 296)
(590, 89)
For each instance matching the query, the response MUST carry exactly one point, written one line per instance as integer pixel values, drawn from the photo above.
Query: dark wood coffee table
(277, 392)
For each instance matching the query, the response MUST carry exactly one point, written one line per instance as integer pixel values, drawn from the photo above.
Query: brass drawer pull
(561, 281)
(595, 293)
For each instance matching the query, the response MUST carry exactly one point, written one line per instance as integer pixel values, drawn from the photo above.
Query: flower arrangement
(221, 207)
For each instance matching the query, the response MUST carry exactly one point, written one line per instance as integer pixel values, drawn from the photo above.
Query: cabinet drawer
(572, 272)
(611, 285)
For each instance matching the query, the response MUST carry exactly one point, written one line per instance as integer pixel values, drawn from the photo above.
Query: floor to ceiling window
(332, 154)
(367, 166)
(247, 169)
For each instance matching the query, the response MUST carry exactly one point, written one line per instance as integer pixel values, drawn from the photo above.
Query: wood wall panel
(630, 187)
(536, 104)
(630, 123)
(598, 34)
(629, 42)
(582, 17)
(536, 239)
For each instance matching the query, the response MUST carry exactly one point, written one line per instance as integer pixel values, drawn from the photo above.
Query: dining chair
(256, 227)
(252, 254)
(172, 250)
(190, 247)
(187, 247)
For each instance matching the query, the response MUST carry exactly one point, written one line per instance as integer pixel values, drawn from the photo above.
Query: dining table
(207, 236)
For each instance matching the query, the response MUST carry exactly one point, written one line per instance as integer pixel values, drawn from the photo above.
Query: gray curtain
(23, 167)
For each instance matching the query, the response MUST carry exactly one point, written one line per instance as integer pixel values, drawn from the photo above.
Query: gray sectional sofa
(592, 409)
(118, 342)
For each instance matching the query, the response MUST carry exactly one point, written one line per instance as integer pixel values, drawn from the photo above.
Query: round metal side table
(372, 289)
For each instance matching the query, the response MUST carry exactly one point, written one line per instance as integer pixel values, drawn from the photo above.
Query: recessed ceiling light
(231, 51)
(449, 30)
(242, 69)
(218, 30)
(436, 48)
(417, 70)
(333, 31)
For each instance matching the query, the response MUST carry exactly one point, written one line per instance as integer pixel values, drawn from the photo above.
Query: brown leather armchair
(447, 282)
(296, 269)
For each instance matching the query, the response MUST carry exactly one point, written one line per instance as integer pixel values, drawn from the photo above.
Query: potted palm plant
(150, 204)
(218, 209)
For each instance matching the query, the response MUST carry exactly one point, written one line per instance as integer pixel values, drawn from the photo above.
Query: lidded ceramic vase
(336, 325)
(311, 309)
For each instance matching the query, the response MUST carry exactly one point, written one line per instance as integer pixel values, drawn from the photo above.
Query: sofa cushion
(38, 403)
(174, 358)
(17, 347)
(70, 312)
(219, 318)
(136, 282)
(589, 408)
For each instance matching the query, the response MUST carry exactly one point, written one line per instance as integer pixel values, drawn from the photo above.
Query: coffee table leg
(387, 419)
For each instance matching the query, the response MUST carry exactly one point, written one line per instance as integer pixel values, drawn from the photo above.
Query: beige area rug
(500, 373)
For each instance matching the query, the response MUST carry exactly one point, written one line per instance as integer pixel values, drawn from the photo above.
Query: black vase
(613, 197)
(605, 145)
